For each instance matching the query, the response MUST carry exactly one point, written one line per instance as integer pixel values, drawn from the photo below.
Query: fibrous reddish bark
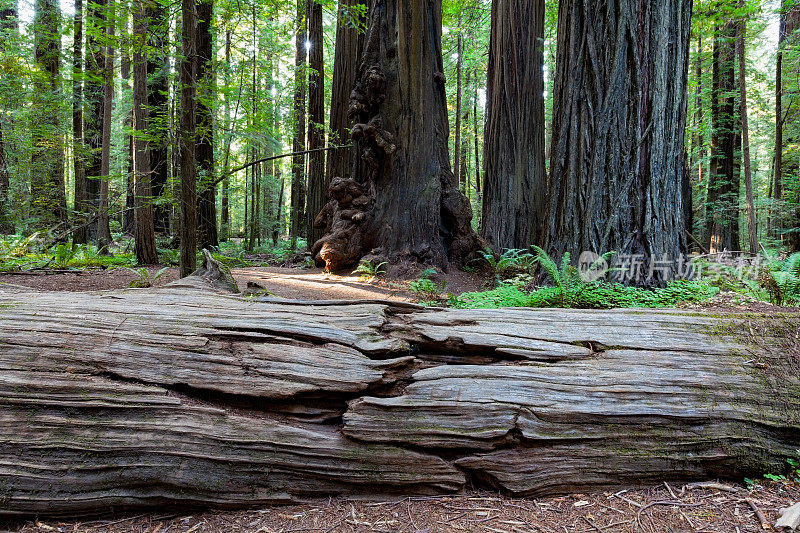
(188, 139)
(208, 235)
(158, 70)
(617, 158)
(402, 201)
(722, 210)
(515, 184)
(186, 397)
(48, 197)
(145, 240)
(316, 196)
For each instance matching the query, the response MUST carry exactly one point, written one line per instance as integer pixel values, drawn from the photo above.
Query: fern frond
(549, 266)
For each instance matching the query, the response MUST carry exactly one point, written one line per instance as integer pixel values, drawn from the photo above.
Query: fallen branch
(761, 518)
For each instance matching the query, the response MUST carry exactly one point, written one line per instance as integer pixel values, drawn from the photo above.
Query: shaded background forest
(265, 87)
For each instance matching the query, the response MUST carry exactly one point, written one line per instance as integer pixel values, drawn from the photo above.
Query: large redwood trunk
(722, 216)
(158, 70)
(515, 185)
(617, 159)
(317, 187)
(48, 197)
(208, 235)
(94, 65)
(402, 201)
(349, 47)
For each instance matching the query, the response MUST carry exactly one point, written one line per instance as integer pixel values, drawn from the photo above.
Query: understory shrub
(594, 295)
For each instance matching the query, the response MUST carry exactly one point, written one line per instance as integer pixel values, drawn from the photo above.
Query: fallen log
(177, 396)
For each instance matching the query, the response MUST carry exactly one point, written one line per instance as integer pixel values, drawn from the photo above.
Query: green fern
(368, 271)
(781, 279)
(144, 278)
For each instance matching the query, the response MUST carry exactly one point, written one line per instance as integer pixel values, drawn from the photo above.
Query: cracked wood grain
(145, 398)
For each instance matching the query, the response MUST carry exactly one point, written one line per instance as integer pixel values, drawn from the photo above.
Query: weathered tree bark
(8, 27)
(349, 47)
(208, 235)
(79, 236)
(788, 118)
(225, 222)
(48, 197)
(752, 230)
(103, 221)
(186, 397)
(9, 30)
(298, 192)
(402, 201)
(94, 65)
(145, 238)
(317, 187)
(6, 227)
(617, 158)
(459, 83)
(188, 139)
(158, 67)
(515, 184)
(722, 211)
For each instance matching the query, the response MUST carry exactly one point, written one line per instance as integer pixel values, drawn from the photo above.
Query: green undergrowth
(595, 295)
(32, 252)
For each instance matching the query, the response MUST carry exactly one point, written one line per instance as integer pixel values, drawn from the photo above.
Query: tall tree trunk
(103, 226)
(788, 223)
(748, 177)
(188, 232)
(617, 158)
(8, 29)
(6, 227)
(79, 236)
(48, 197)
(515, 184)
(316, 194)
(722, 217)
(459, 78)
(299, 161)
(128, 215)
(208, 236)
(145, 241)
(158, 66)
(698, 151)
(255, 208)
(402, 200)
(349, 47)
(317, 187)
(777, 185)
(476, 139)
(225, 223)
(94, 65)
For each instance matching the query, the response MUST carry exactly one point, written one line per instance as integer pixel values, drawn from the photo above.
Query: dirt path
(294, 283)
(656, 509)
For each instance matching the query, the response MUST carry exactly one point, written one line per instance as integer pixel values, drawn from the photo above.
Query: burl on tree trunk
(188, 397)
(402, 201)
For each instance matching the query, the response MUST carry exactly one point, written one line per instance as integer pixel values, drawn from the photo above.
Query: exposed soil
(294, 283)
(657, 509)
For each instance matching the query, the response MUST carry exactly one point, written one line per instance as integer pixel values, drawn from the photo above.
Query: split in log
(143, 398)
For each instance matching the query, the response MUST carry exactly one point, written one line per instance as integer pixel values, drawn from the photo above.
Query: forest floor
(315, 284)
(293, 283)
(664, 508)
